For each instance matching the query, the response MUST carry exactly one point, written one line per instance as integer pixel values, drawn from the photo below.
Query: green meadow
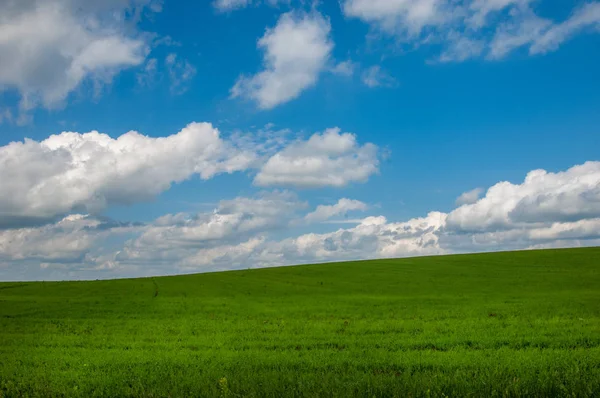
(487, 325)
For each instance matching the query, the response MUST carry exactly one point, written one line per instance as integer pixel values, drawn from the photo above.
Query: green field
(503, 324)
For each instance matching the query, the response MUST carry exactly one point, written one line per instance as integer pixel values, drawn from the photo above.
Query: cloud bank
(547, 209)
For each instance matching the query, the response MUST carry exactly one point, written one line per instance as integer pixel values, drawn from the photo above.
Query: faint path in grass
(155, 287)
(13, 286)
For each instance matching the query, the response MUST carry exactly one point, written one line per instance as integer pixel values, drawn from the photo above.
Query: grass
(502, 324)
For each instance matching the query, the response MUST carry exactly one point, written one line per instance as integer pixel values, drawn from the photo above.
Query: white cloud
(147, 76)
(329, 159)
(541, 35)
(74, 172)
(374, 237)
(472, 28)
(231, 5)
(5, 115)
(542, 198)
(177, 71)
(548, 209)
(341, 208)
(71, 171)
(404, 17)
(176, 238)
(437, 233)
(461, 48)
(223, 258)
(376, 77)
(230, 219)
(49, 48)
(523, 29)
(233, 247)
(586, 16)
(180, 73)
(483, 8)
(565, 244)
(66, 241)
(345, 68)
(529, 236)
(582, 229)
(469, 197)
(296, 52)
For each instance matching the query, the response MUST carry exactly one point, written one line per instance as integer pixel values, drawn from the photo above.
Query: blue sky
(381, 112)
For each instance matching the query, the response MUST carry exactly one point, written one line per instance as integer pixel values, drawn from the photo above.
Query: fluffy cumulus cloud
(296, 51)
(179, 238)
(65, 241)
(341, 208)
(543, 198)
(65, 249)
(469, 197)
(373, 237)
(43, 181)
(49, 48)
(230, 220)
(86, 172)
(468, 29)
(331, 159)
(236, 235)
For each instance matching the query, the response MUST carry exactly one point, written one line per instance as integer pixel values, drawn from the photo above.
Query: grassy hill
(502, 324)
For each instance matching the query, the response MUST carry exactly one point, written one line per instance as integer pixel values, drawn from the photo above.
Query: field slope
(502, 324)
